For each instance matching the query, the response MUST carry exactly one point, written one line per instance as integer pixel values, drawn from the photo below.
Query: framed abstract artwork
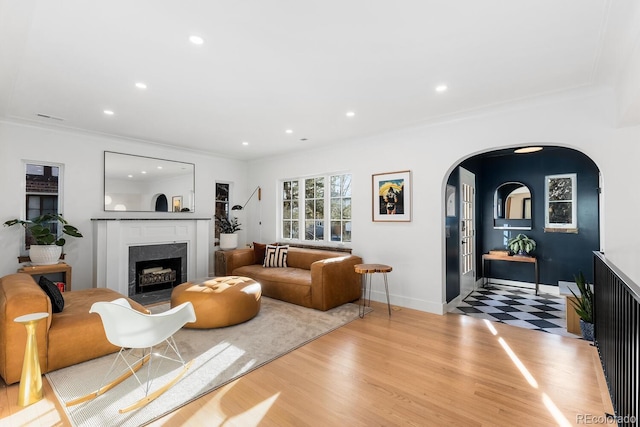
(391, 196)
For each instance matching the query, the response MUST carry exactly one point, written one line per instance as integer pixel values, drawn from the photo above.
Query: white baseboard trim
(413, 303)
(453, 303)
(547, 289)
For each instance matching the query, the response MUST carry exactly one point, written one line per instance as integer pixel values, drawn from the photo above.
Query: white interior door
(467, 232)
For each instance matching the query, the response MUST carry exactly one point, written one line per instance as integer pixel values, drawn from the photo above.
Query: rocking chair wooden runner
(132, 330)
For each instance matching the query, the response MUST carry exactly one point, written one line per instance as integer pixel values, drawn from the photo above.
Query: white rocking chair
(131, 330)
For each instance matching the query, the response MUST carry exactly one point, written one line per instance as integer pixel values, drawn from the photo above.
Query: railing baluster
(617, 337)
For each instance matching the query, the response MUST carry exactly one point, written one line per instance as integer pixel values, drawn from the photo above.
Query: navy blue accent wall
(560, 255)
(452, 234)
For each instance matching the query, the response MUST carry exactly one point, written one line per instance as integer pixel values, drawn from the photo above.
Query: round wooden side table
(367, 271)
(31, 379)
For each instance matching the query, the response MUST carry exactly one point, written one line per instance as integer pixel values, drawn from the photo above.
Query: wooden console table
(515, 258)
(39, 270)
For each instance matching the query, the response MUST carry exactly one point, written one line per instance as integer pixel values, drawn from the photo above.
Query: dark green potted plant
(521, 245)
(227, 228)
(583, 305)
(45, 247)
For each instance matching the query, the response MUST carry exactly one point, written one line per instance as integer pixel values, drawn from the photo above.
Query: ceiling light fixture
(141, 85)
(196, 40)
(525, 150)
(441, 88)
(108, 112)
(350, 114)
(289, 131)
(245, 143)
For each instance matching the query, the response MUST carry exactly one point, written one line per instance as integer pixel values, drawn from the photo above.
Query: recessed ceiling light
(159, 167)
(143, 172)
(196, 40)
(350, 114)
(245, 143)
(289, 131)
(108, 112)
(141, 85)
(441, 88)
(129, 176)
(525, 150)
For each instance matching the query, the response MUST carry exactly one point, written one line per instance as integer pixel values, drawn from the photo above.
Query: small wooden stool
(367, 271)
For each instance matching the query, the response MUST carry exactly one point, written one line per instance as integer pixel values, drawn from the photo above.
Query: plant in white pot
(583, 305)
(228, 228)
(45, 247)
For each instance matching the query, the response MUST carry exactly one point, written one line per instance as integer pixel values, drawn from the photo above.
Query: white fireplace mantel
(113, 237)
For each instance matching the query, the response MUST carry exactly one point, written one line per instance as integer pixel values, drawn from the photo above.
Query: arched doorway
(560, 253)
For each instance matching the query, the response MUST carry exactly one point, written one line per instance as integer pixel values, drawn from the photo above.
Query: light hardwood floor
(412, 369)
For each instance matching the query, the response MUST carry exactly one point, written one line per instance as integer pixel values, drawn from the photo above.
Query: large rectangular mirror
(146, 184)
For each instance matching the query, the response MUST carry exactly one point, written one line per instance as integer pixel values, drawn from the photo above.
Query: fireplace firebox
(159, 274)
(156, 267)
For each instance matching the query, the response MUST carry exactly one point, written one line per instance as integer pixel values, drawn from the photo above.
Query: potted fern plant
(521, 245)
(228, 228)
(583, 305)
(45, 247)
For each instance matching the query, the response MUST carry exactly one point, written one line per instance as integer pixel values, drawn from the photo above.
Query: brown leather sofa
(313, 278)
(64, 339)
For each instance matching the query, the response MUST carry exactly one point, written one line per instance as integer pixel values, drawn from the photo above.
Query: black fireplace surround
(168, 256)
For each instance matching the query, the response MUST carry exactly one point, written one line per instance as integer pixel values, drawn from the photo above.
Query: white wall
(82, 156)
(582, 120)
(579, 119)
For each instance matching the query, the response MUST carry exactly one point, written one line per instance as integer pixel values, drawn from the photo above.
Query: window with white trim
(43, 185)
(561, 203)
(327, 214)
(290, 210)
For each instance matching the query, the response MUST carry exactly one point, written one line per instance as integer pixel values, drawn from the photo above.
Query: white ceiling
(268, 66)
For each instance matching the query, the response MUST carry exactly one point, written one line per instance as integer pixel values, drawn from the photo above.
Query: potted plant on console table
(521, 245)
(45, 247)
(228, 228)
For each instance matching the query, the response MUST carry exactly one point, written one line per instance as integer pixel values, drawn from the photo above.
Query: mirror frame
(507, 223)
(115, 164)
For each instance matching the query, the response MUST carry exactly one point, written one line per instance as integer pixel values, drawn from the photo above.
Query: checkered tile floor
(517, 307)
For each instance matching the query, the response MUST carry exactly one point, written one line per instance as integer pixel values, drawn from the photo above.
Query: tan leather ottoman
(219, 301)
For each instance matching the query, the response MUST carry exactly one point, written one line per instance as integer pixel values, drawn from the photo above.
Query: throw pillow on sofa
(54, 294)
(259, 250)
(275, 256)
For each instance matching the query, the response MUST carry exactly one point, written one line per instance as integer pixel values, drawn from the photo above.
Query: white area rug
(220, 356)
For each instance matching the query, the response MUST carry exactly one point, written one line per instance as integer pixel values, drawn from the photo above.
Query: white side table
(31, 379)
